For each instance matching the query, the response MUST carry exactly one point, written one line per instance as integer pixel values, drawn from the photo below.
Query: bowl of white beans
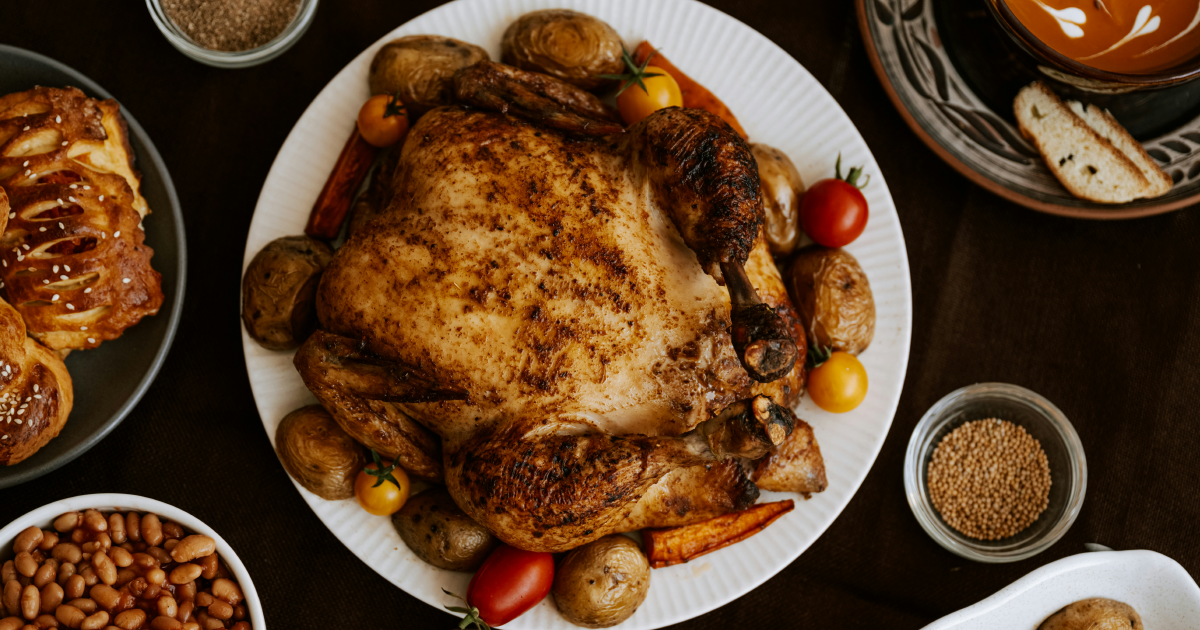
(103, 561)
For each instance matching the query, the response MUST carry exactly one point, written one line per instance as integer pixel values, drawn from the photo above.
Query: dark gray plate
(110, 380)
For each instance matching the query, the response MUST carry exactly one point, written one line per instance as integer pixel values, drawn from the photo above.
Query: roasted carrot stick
(675, 545)
(333, 203)
(695, 96)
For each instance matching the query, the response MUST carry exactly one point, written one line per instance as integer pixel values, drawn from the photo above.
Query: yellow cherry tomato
(382, 121)
(386, 498)
(661, 92)
(839, 384)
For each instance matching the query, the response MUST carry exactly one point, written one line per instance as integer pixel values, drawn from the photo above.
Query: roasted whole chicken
(537, 316)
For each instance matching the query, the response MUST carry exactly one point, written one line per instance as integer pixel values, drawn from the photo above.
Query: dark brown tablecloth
(1102, 318)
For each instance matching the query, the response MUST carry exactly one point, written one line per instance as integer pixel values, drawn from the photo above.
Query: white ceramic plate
(1156, 586)
(796, 115)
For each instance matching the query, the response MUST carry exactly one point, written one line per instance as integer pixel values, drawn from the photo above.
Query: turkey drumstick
(706, 178)
(760, 337)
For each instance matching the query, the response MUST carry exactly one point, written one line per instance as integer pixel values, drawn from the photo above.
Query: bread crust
(1102, 122)
(72, 258)
(36, 392)
(1087, 164)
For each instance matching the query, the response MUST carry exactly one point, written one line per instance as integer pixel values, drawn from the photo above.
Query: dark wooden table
(1101, 318)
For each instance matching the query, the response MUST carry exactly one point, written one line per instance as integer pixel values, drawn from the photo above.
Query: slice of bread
(1104, 124)
(1101, 164)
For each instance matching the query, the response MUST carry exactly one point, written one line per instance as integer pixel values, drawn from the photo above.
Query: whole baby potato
(420, 68)
(831, 293)
(318, 454)
(440, 533)
(782, 189)
(1096, 613)
(602, 583)
(279, 291)
(565, 44)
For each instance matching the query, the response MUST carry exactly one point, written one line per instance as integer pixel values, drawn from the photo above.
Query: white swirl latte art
(1072, 21)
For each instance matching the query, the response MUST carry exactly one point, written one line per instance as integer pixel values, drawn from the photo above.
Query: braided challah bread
(72, 258)
(35, 390)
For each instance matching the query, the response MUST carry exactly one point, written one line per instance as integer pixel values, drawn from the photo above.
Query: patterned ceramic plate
(943, 66)
(803, 120)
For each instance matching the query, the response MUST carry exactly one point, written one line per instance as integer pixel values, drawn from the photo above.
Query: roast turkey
(536, 316)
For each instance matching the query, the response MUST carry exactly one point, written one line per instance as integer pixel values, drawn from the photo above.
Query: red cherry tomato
(834, 212)
(510, 582)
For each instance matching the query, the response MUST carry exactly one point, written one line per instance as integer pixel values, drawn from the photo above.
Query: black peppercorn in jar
(232, 33)
(231, 25)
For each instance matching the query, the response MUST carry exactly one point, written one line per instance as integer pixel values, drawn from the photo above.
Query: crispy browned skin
(690, 495)
(360, 390)
(794, 466)
(538, 272)
(36, 393)
(705, 177)
(557, 492)
(73, 254)
(533, 96)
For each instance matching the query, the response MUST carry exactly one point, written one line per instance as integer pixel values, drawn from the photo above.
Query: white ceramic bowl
(45, 515)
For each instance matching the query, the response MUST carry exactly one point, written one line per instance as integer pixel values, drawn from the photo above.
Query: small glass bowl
(241, 58)
(1045, 422)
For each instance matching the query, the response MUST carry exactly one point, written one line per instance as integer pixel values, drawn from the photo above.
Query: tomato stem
(818, 355)
(395, 107)
(471, 614)
(851, 177)
(382, 473)
(636, 73)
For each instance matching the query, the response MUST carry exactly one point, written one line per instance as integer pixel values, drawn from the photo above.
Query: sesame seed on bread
(1086, 149)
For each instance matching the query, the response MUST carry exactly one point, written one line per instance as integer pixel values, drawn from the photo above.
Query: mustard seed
(989, 479)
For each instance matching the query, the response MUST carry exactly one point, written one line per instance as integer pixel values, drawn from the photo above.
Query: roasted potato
(440, 533)
(279, 291)
(781, 192)
(1097, 613)
(831, 292)
(602, 583)
(318, 454)
(420, 68)
(565, 44)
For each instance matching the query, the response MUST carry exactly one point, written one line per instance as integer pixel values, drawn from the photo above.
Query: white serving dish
(795, 114)
(44, 516)
(1162, 592)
